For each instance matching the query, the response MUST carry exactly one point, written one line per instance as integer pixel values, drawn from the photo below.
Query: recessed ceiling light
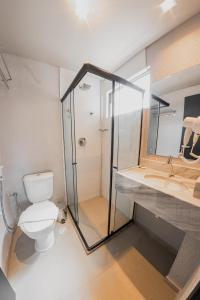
(166, 5)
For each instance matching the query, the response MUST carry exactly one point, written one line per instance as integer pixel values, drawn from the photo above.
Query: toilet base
(44, 244)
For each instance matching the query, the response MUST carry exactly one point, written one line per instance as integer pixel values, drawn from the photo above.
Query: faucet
(171, 170)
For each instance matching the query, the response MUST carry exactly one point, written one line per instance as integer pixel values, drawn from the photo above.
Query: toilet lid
(38, 216)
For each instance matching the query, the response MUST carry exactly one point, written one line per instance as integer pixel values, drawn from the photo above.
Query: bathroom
(129, 117)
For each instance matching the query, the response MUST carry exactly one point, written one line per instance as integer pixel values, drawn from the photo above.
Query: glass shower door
(92, 156)
(128, 104)
(69, 153)
(102, 124)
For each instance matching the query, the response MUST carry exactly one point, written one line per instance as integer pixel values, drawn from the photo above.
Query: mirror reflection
(174, 125)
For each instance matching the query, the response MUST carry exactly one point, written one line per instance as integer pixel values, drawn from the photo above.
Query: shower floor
(93, 219)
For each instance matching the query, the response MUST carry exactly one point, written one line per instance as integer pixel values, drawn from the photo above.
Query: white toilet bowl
(39, 219)
(38, 222)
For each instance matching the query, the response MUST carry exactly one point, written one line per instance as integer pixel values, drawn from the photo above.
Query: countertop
(182, 193)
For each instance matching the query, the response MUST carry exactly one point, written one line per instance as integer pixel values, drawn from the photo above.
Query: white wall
(30, 125)
(87, 126)
(176, 51)
(132, 66)
(66, 77)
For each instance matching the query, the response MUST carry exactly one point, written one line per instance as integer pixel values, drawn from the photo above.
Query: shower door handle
(75, 163)
(116, 168)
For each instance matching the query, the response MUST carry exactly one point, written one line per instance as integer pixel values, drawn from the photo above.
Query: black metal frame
(96, 245)
(88, 68)
(161, 101)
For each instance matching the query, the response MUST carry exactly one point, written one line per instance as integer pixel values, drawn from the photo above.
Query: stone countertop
(183, 192)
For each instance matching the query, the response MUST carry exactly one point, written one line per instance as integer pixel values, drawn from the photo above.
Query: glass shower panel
(92, 134)
(102, 124)
(68, 131)
(127, 128)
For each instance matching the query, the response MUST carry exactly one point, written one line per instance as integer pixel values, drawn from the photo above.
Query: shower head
(84, 86)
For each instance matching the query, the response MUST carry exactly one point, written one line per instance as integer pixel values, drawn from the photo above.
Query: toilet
(38, 220)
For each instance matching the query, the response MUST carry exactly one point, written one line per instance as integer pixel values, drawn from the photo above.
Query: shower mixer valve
(82, 142)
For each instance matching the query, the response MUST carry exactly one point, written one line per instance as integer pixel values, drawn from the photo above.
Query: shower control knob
(82, 142)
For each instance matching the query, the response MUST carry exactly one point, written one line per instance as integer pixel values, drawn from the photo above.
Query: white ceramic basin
(173, 183)
(177, 186)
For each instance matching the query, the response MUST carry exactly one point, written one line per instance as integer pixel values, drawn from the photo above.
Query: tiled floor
(93, 219)
(128, 267)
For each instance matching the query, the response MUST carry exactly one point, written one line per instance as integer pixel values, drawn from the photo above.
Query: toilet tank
(39, 187)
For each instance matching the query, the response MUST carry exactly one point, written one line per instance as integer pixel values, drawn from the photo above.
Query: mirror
(174, 125)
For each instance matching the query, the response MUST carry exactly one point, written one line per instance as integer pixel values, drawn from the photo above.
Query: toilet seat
(38, 216)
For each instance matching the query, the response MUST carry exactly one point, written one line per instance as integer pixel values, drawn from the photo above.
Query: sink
(162, 180)
(156, 176)
(177, 186)
(173, 183)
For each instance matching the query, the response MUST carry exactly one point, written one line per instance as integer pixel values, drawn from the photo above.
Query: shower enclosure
(102, 117)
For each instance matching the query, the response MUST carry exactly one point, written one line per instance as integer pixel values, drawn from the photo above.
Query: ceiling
(50, 31)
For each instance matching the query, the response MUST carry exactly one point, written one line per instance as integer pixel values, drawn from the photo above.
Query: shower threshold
(92, 224)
